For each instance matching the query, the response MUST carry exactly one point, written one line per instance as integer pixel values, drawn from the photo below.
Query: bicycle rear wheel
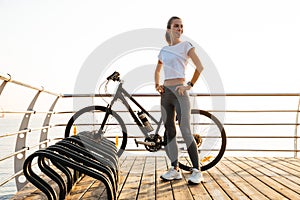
(213, 138)
(97, 119)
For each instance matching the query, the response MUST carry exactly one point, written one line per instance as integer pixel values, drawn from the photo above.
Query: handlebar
(115, 76)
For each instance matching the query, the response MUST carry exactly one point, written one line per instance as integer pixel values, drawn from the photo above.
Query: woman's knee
(171, 132)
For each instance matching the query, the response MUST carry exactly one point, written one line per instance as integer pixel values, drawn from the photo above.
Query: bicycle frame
(120, 94)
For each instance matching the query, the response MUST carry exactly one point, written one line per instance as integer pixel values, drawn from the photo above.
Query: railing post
(44, 131)
(21, 144)
(4, 83)
(296, 131)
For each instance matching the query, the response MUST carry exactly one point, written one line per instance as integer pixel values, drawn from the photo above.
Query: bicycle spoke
(213, 139)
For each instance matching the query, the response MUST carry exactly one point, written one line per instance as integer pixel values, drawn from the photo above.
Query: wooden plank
(294, 161)
(84, 188)
(132, 184)
(288, 162)
(181, 190)
(269, 184)
(252, 178)
(29, 191)
(278, 167)
(226, 184)
(125, 171)
(247, 189)
(279, 183)
(89, 188)
(125, 165)
(163, 188)
(214, 190)
(96, 190)
(197, 191)
(147, 187)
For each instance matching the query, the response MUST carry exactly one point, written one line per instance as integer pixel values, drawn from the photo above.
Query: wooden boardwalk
(232, 178)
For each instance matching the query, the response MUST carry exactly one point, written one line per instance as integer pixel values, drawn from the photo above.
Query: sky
(254, 45)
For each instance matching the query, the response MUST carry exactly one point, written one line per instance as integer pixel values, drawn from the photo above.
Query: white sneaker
(172, 174)
(196, 177)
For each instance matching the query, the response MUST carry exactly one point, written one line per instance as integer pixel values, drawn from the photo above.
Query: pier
(261, 159)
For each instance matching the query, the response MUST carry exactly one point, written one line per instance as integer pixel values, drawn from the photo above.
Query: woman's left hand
(181, 89)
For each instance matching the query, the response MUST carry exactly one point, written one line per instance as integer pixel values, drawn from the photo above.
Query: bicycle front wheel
(100, 120)
(212, 137)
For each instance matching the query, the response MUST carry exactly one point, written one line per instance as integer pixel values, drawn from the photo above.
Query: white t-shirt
(174, 59)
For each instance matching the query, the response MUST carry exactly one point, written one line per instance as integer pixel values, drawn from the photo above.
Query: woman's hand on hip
(181, 89)
(160, 88)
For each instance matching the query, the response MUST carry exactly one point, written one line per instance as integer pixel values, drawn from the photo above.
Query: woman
(175, 99)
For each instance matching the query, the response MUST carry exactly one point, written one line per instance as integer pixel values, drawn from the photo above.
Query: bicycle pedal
(150, 144)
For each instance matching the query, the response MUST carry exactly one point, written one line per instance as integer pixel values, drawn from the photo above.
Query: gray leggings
(172, 102)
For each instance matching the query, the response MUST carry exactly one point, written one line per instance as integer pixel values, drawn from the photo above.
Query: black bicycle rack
(81, 154)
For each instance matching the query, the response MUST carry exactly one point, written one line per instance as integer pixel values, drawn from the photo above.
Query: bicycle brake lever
(115, 76)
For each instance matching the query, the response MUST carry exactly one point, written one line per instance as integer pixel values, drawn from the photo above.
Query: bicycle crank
(152, 143)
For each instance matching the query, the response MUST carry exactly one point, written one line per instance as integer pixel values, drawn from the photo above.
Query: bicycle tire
(103, 109)
(218, 157)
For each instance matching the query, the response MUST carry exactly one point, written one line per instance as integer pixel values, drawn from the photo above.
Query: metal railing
(292, 123)
(48, 129)
(20, 144)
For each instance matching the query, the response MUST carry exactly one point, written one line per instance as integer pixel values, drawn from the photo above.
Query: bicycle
(211, 141)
